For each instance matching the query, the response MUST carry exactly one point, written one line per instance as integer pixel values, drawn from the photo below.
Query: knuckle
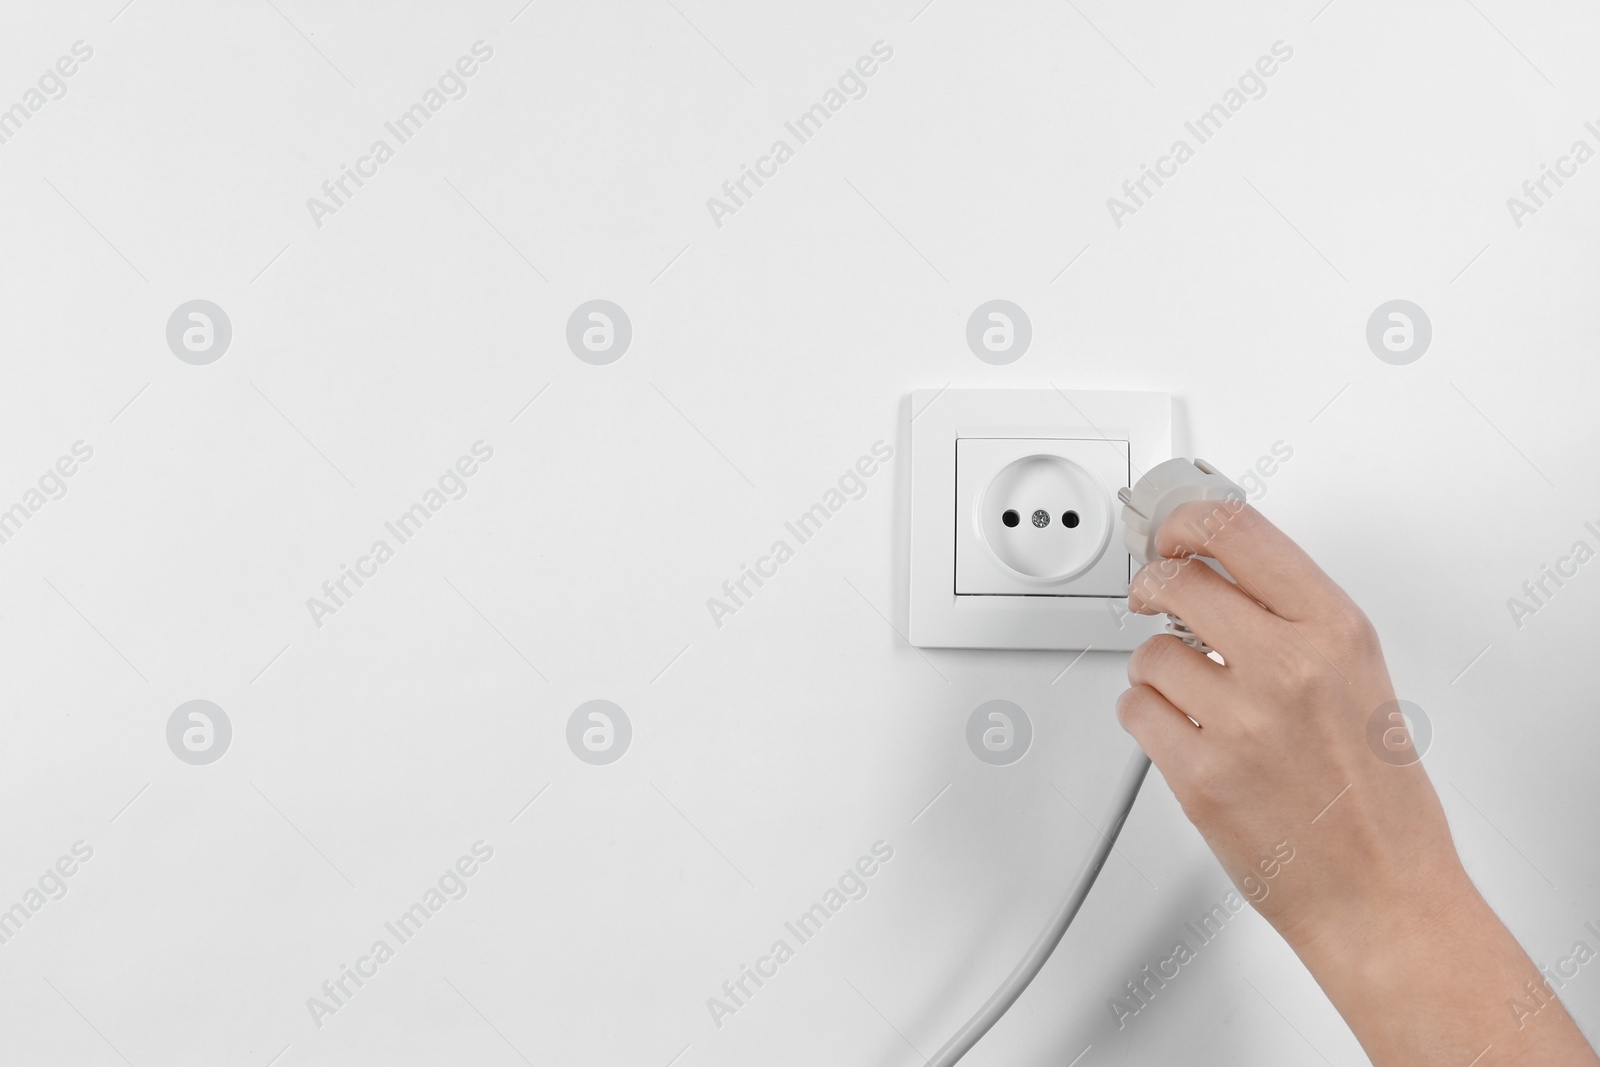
(1254, 733)
(1300, 675)
(1307, 677)
(1122, 711)
(1242, 523)
(1207, 523)
(1247, 518)
(1131, 705)
(1175, 574)
(1287, 669)
(1125, 708)
(1353, 630)
(1142, 664)
(1162, 578)
(1138, 591)
(1149, 582)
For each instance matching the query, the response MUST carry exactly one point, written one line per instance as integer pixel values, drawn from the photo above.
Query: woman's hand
(1291, 759)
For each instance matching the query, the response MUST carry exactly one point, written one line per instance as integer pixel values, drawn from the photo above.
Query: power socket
(1052, 461)
(1035, 517)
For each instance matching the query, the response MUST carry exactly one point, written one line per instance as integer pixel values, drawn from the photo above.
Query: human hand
(1347, 854)
(1278, 776)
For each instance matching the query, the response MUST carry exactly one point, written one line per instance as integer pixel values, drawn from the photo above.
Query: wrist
(1391, 921)
(1395, 966)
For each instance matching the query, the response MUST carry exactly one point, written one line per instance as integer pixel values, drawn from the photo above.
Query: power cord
(1055, 927)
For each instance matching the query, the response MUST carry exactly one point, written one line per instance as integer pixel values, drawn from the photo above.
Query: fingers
(1214, 608)
(1161, 729)
(1188, 680)
(1261, 557)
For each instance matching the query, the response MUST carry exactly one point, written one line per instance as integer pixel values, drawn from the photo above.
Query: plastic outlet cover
(1050, 615)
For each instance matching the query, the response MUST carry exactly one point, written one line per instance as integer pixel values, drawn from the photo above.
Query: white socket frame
(938, 617)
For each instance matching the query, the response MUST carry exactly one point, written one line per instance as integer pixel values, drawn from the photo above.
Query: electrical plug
(1152, 500)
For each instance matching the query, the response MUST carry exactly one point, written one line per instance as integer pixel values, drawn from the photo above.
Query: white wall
(768, 754)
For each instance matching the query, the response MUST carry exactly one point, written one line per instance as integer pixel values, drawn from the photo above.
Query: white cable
(1122, 803)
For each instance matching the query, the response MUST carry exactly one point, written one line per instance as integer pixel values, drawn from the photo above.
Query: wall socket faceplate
(1016, 532)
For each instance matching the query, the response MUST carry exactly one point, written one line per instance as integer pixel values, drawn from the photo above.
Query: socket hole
(1010, 518)
(1070, 520)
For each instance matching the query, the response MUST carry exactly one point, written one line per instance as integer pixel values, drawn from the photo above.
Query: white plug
(1154, 498)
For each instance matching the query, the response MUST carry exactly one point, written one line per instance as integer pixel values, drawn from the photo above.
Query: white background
(768, 354)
